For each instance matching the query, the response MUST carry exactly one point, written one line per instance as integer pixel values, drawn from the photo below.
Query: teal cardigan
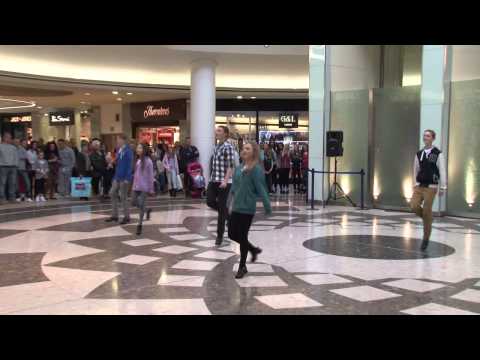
(246, 188)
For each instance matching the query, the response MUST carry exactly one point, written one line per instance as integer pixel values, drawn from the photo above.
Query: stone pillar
(435, 100)
(202, 110)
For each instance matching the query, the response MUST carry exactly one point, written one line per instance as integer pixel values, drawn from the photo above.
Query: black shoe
(139, 229)
(124, 221)
(255, 253)
(111, 219)
(149, 211)
(219, 241)
(424, 245)
(242, 271)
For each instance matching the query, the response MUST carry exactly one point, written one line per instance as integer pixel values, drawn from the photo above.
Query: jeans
(238, 228)
(120, 190)
(64, 176)
(217, 200)
(26, 181)
(8, 182)
(139, 199)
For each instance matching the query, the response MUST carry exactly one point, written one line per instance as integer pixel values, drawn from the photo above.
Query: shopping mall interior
(341, 240)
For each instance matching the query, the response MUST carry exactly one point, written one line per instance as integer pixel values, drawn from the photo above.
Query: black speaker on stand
(335, 149)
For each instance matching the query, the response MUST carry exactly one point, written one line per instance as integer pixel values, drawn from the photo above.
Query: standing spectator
(22, 171)
(221, 171)
(285, 164)
(268, 163)
(296, 169)
(67, 163)
(72, 143)
(108, 175)
(32, 155)
(8, 168)
(99, 166)
(121, 179)
(305, 171)
(189, 154)
(41, 169)
(52, 157)
(41, 144)
(83, 164)
(276, 167)
(170, 162)
(160, 171)
(142, 184)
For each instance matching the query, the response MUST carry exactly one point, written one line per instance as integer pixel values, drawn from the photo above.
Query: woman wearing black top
(51, 155)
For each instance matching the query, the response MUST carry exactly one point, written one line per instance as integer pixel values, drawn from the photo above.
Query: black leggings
(238, 228)
(284, 178)
(217, 200)
(296, 175)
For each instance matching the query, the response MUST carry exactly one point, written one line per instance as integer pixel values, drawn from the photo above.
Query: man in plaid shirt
(221, 170)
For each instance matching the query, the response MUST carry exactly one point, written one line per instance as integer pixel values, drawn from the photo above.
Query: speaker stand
(336, 192)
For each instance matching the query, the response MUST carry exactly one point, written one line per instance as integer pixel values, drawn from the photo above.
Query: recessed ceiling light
(119, 99)
(239, 97)
(87, 94)
(129, 93)
(39, 107)
(115, 92)
(253, 97)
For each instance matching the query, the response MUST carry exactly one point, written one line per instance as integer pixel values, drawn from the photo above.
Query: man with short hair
(8, 168)
(121, 179)
(430, 176)
(67, 163)
(222, 166)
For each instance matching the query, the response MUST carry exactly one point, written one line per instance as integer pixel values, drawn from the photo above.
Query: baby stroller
(197, 181)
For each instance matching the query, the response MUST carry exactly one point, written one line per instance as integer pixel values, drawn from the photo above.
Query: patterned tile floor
(64, 259)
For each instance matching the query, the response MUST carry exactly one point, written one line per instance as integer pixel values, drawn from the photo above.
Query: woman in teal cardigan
(248, 185)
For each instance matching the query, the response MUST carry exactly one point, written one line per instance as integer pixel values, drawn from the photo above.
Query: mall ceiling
(85, 76)
(280, 67)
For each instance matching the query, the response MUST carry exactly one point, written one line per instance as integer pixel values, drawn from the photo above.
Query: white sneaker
(19, 199)
(29, 200)
(37, 198)
(42, 198)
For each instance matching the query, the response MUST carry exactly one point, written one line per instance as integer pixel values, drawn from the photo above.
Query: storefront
(159, 121)
(265, 120)
(19, 125)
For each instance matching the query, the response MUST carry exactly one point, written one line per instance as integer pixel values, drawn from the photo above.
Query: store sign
(161, 112)
(288, 121)
(19, 119)
(62, 118)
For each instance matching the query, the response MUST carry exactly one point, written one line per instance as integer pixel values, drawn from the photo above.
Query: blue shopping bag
(81, 186)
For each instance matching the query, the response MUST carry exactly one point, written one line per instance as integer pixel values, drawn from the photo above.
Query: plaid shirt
(223, 158)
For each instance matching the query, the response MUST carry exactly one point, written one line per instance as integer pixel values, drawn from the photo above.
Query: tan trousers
(425, 195)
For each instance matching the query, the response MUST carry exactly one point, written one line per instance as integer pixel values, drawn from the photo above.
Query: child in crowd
(41, 175)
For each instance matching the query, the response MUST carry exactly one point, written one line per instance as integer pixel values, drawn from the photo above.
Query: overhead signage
(64, 118)
(159, 112)
(19, 119)
(288, 121)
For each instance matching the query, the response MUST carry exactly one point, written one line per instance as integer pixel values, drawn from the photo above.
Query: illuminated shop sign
(151, 111)
(288, 121)
(19, 119)
(159, 112)
(62, 118)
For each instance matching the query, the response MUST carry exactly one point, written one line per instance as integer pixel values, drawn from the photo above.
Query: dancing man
(430, 176)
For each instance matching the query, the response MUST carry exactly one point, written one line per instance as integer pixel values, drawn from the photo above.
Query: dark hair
(49, 152)
(432, 132)
(143, 156)
(226, 130)
(123, 137)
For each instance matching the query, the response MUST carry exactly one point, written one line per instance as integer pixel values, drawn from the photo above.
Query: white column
(202, 110)
(435, 100)
(319, 116)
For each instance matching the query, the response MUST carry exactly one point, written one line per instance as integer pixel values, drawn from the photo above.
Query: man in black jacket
(430, 176)
(99, 165)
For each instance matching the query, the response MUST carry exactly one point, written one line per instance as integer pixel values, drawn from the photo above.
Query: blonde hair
(255, 153)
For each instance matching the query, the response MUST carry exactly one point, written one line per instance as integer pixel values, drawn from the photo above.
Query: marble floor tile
(174, 230)
(261, 281)
(141, 242)
(322, 279)
(67, 251)
(365, 293)
(447, 225)
(414, 285)
(195, 265)
(181, 280)
(261, 228)
(175, 249)
(283, 218)
(216, 255)
(470, 295)
(477, 284)
(436, 309)
(187, 237)
(323, 220)
(136, 259)
(208, 243)
(288, 301)
(268, 222)
(256, 268)
(123, 307)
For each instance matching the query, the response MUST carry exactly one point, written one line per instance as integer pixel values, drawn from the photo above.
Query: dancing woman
(248, 185)
(142, 184)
